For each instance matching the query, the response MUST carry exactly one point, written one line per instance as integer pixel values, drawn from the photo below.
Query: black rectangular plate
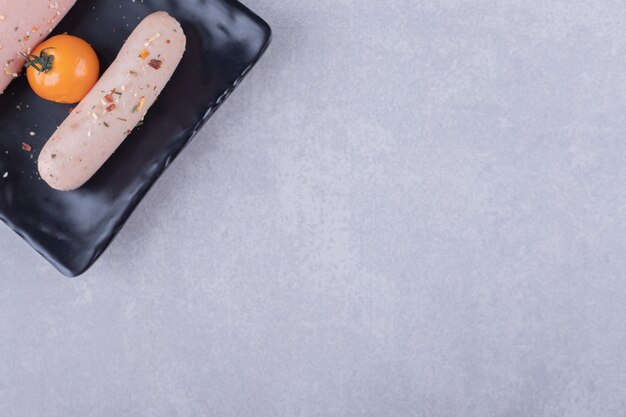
(72, 229)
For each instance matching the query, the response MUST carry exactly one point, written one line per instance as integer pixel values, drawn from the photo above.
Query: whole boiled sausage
(115, 105)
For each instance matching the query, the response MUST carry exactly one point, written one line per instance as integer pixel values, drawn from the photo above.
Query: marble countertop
(408, 208)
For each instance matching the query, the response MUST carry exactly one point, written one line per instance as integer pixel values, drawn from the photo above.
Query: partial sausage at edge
(24, 24)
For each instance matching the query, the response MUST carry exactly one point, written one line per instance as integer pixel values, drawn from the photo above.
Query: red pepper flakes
(143, 54)
(168, 41)
(26, 147)
(155, 63)
(108, 98)
(70, 110)
(110, 107)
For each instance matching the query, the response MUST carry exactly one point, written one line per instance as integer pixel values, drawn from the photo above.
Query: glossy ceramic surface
(72, 229)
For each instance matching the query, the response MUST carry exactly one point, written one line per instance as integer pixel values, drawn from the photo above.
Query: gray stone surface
(409, 208)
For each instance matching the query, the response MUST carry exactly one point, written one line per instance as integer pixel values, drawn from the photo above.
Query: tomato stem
(41, 62)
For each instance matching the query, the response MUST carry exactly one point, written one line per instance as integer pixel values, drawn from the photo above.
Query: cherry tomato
(62, 69)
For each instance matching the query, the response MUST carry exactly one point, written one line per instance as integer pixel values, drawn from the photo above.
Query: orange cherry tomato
(62, 69)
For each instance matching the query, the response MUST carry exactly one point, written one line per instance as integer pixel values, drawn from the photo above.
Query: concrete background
(409, 208)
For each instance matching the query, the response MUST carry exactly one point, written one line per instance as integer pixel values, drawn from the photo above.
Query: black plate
(72, 229)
